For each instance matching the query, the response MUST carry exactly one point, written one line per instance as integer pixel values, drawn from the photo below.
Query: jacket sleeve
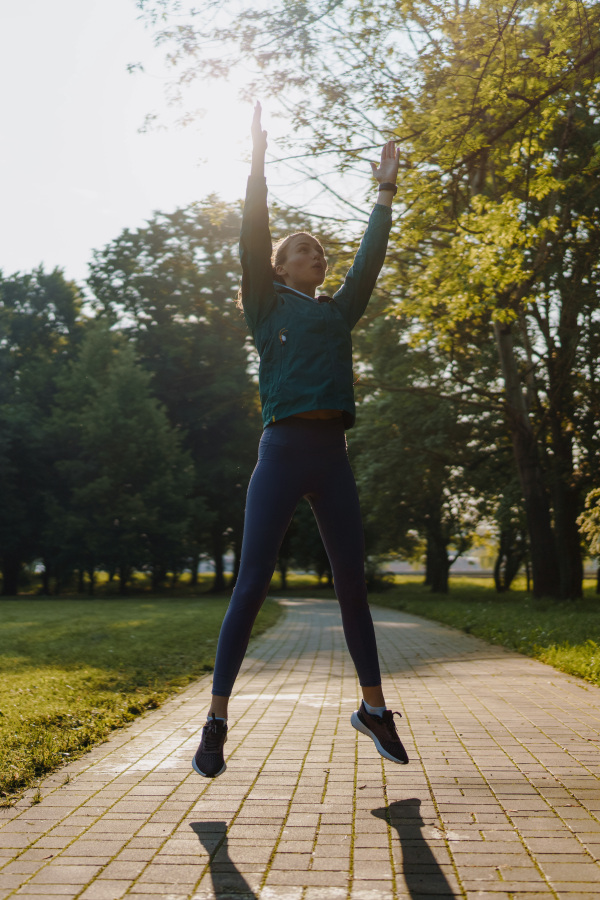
(258, 294)
(354, 294)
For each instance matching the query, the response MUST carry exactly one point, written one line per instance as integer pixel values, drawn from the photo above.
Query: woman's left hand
(388, 167)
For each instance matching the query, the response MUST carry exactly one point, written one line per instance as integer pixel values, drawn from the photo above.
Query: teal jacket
(305, 346)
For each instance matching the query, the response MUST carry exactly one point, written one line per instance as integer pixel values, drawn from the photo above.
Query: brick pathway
(501, 798)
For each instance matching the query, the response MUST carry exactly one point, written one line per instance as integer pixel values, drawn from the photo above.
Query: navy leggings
(300, 458)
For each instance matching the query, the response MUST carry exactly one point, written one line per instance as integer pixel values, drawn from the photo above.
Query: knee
(250, 589)
(352, 597)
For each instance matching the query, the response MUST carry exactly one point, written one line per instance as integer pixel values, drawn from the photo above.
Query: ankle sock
(374, 710)
(218, 718)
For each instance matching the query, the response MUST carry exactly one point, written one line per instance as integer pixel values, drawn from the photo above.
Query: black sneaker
(208, 760)
(382, 729)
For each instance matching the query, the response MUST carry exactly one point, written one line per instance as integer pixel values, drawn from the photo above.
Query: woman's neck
(309, 291)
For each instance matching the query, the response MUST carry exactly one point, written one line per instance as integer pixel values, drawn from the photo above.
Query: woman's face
(304, 265)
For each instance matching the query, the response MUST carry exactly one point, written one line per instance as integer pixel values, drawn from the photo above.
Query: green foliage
(589, 521)
(430, 461)
(74, 670)
(121, 500)
(171, 288)
(39, 334)
(495, 109)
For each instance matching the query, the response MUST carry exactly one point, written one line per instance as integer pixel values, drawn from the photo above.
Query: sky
(74, 168)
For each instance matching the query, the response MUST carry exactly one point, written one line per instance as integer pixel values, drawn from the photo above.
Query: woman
(307, 398)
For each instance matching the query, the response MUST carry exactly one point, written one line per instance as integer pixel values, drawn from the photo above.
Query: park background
(129, 415)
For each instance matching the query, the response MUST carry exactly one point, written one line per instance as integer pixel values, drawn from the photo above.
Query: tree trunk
(283, 570)
(124, 573)
(498, 583)
(428, 564)
(568, 540)
(510, 556)
(11, 570)
(565, 494)
(437, 556)
(513, 564)
(159, 574)
(544, 565)
(46, 580)
(194, 569)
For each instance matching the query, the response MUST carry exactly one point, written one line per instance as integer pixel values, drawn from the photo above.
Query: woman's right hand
(259, 137)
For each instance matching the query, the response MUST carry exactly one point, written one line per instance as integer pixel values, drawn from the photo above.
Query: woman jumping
(307, 397)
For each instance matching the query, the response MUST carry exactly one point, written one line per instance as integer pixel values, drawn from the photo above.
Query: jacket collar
(283, 288)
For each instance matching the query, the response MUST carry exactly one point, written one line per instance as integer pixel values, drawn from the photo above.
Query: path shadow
(228, 881)
(423, 875)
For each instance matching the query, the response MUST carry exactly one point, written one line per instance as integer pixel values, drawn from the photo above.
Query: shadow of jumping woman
(227, 880)
(422, 872)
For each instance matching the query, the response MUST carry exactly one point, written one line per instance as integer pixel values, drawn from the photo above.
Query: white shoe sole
(356, 723)
(204, 775)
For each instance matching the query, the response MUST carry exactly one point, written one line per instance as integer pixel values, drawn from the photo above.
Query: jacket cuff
(382, 211)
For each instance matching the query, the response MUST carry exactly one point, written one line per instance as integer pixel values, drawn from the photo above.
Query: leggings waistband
(305, 435)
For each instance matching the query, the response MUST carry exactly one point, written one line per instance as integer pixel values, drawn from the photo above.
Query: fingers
(387, 170)
(389, 151)
(259, 137)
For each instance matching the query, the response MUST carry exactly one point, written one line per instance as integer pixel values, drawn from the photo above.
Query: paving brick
(106, 890)
(59, 874)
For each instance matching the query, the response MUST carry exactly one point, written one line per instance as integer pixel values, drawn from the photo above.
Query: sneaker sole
(204, 775)
(356, 723)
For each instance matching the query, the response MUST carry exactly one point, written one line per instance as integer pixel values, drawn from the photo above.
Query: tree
(121, 500)
(170, 287)
(494, 105)
(39, 333)
(416, 449)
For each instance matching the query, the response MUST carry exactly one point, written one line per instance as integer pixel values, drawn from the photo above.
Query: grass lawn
(565, 635)
(73, 670)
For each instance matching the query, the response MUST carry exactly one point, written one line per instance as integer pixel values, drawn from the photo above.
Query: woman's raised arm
(353, 296)
(258, 294)
(259, 143)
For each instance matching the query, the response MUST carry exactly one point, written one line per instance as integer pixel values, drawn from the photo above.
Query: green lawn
(565, 635)
(73, 670)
